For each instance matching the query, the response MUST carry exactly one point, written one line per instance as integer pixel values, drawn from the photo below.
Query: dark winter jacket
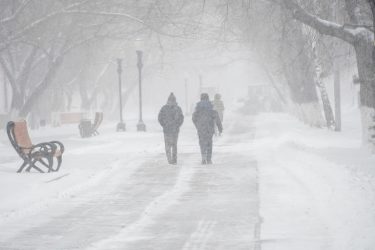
(171, 117)
(205, 118)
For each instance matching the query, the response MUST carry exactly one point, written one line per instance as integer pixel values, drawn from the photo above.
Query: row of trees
(303, 41)
(356, 29)
(50, 50)
(49, 47)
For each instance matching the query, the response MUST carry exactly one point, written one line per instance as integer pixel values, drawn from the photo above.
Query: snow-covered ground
(275, 184)
(116, 191)
(317, 187)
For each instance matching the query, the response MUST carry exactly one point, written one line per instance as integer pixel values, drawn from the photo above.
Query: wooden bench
(71, 118)
(86, 129)
(42, 155)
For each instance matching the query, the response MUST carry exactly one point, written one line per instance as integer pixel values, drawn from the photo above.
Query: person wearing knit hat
(205, 118)
(171, 118)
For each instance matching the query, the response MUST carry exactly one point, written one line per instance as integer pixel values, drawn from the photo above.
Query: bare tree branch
(16, 13)
(322, 26)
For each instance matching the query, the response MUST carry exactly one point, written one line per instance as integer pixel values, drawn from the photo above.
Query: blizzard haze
(108, 140)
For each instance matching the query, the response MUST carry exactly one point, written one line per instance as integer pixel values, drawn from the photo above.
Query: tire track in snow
(258, 224)
(154, 209)
(199, 238)
(237, 129)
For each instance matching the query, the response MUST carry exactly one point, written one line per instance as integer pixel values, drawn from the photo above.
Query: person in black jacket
(171, 119)
(205, 118)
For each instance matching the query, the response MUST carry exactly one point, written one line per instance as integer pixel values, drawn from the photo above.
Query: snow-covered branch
(322, 26)
(16, 13)
(65, 11)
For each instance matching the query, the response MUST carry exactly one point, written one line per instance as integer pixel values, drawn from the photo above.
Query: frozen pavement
(134, 200)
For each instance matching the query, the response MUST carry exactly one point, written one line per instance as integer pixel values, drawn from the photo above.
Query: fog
(193, 55)
(175, 124)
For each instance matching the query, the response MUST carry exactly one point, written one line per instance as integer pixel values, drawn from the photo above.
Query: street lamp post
(186, 98)
(5, 93)
(200, 85)
(121, 125)
(141, 126)
(337, 94)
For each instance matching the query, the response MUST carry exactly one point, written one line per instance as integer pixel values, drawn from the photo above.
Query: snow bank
(317, 187)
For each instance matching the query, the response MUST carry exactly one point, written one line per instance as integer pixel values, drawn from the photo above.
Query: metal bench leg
(24, 164)
(32, 165)
(37, 168)
(47, 165)
(59, 161)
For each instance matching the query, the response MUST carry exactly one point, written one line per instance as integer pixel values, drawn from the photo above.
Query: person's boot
(169, 159)
(209, 162)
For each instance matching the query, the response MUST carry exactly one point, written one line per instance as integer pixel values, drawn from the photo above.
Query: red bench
(45, 155)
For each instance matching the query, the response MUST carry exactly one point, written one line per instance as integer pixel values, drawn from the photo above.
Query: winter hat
(205, 97)
(171, 98)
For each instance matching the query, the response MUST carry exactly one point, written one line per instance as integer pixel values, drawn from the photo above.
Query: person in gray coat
(171, 118)
(205, 118)
(219, 106)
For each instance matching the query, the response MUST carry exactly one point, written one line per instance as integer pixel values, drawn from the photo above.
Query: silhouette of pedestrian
(171, 118)
(205, 118)
(219, 106)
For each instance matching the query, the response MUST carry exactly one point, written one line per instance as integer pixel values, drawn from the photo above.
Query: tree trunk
(17, 101)
(38, 92)
(372, 6)
(299, 73)
(327, 108)
(366, 73)
(85, 102)
(69, 98)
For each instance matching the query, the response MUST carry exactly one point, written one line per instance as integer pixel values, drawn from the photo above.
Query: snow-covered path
(140, 202)
(312, 188)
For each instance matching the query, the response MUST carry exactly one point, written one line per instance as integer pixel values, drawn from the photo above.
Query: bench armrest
(60, 146)
(44, 147)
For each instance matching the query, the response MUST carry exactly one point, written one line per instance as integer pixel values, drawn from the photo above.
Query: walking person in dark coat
(171, 119)
(205, 118)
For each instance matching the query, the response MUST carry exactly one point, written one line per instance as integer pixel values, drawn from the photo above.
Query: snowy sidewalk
(130, 198)
(313, 189)
(317, 187)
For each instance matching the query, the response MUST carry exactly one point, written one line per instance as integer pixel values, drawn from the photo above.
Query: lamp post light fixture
(141, 126)
(121, 125)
